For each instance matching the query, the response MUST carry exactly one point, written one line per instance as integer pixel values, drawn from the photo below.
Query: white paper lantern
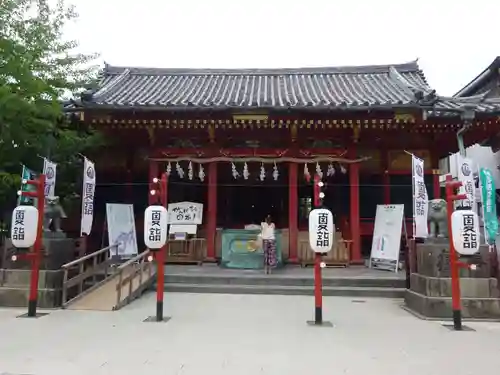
(321, 230)
(465, 231)
(155, 227)
(24, 226)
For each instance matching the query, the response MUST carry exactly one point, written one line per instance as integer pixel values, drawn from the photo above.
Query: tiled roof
(341, 87)
(478, 83)
(478, 103)
(360, 87)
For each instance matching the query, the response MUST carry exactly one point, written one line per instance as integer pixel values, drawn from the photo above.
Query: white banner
(49, 170)
(387, 236)
(88, 197)
(420, 199)
(468, 187)
(121, 229)
(182, 213)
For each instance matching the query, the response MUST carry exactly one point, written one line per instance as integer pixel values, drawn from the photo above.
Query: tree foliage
(38, 68)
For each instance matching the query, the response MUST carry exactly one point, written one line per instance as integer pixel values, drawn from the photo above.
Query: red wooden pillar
(355, 220)
(154, 172)
(129, 178)
(211, 211)
(129, 193)
(436, 187)
(386, 177)
(293, 209)
(386, 180)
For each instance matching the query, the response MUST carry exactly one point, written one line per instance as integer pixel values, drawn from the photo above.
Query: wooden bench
(339, 256)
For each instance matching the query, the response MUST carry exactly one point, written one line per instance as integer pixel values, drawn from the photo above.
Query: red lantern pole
(454, 263)
(37, 247)
(160, 255)
(318, 282)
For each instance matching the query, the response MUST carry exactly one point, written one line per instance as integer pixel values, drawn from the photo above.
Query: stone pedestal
(15, 276)
(430, 287)
(14, 289)
(57, 250)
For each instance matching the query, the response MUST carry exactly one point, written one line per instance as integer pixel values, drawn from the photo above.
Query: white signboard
(189, 229)
(465, 231)
(24, 226)
(121, 229)
(185, 213)
(420, 199)
(468, 186)
(321, 230)
(87, 197)
(155, 227)
(387, 237)
(49, 170)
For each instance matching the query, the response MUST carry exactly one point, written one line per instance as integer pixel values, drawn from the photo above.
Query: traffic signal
(318, 194)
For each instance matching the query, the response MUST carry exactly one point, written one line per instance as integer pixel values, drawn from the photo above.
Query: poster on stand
(386, 243)
(121, 229)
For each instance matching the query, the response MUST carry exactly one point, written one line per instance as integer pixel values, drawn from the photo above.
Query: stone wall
(430, 286)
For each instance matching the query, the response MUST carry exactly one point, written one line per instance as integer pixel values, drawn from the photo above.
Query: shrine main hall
(246, 143)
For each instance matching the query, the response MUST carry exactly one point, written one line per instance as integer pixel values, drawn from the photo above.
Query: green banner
(27, 174)
(488, 197)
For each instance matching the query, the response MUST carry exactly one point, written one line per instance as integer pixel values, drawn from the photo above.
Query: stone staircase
(211, 279)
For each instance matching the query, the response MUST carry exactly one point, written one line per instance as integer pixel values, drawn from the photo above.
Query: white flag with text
(49, 170)
(420, 199)
(468, 187)
(88, 197)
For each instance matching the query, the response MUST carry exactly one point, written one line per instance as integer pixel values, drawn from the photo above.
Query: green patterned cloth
(237, 251)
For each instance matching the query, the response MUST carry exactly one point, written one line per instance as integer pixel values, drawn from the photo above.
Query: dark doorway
(242, 202)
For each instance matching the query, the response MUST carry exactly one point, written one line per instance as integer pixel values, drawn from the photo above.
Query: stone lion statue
(437, 217)
(53, 212)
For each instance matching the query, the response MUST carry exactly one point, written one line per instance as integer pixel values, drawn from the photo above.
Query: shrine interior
(247, 201)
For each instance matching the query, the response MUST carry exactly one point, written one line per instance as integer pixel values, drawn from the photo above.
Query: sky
(454, 41)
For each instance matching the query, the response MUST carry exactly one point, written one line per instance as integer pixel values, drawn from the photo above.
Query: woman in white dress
(268, 244)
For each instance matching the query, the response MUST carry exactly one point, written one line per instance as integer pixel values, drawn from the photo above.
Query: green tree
(38, 69)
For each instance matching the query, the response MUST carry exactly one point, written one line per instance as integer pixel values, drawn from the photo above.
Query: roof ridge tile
(361, 69)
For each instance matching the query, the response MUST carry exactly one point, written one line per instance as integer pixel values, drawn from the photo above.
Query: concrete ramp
(127, 283)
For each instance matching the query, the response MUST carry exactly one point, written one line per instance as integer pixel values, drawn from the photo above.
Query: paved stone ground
(244, 334)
